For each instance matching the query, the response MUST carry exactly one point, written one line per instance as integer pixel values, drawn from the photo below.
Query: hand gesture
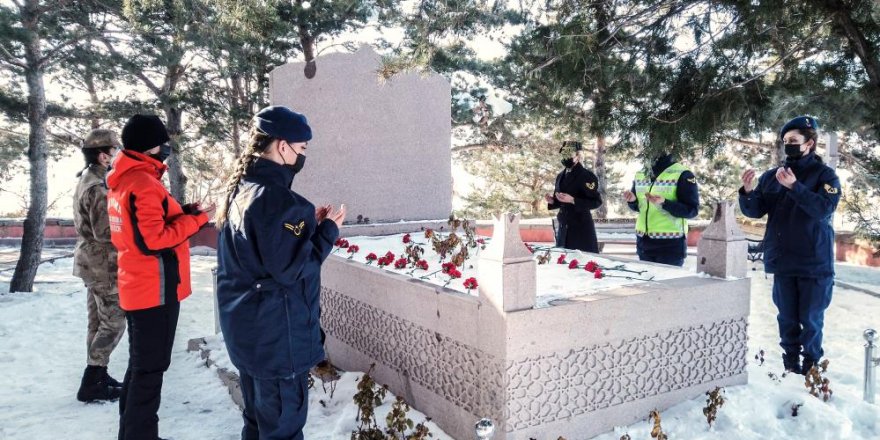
(748, 180)
(564, 198)
(338, 217)
(629, 196)
(549, 198)
(322, 212)
(786, 177)
(210, 209)
(655, 199)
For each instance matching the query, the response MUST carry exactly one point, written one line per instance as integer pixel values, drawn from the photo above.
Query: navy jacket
(576, 228)
(268, 279)
(799, 240)
(687, 206)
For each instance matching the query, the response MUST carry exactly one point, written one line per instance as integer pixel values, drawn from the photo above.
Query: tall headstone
(381, 146)
(723, 248)
(507, 270)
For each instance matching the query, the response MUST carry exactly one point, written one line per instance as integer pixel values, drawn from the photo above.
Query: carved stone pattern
(465, 376)
(567, 384)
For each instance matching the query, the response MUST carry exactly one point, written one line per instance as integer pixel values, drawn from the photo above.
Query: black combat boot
(95, 387)
(110, 381)
(792, 362)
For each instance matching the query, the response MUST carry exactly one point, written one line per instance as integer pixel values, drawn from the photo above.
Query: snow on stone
(555, 281)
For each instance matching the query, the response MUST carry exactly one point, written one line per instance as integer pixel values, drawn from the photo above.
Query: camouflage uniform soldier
(95, 262)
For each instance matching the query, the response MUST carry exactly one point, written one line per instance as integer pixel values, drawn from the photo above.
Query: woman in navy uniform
(272, 244)
(799, 199)
(576, 193)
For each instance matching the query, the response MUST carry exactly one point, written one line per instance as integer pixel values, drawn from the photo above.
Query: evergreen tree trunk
(35, 222)
(599, 169)
(176, 176)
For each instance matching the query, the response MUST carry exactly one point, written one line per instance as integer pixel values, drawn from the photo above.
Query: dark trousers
(801, 303)
(150, 338)
(672, 260)
(274, 409)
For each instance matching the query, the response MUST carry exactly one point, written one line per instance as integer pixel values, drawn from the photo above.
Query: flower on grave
(390, 255)
(371, 257)
(429, 233)
(386, 261)
(353, 249)
(573, 265)
(422, 264)
(454, 273)
(341, 243)
(400, 263)
(598, 274)
(470, 283)
(530, 248)
(481, 241)
(407, 239)
(448, 267)
(561, 259)
(591, 266)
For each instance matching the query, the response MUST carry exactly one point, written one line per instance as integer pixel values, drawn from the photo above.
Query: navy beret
(799, 122)
(283, 123)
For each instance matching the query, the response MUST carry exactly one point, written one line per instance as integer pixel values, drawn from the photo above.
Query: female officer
(799, 199)
(272, 244)
(576, 193)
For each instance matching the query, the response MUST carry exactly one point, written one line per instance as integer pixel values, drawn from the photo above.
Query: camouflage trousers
(106, 322)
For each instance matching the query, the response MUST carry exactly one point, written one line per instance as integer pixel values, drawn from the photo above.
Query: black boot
(792, 362)
(94, 386)
(110, 381)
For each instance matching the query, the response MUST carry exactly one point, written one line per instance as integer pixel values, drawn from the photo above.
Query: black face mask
(793, 151)
(568, 162)
(297, 166)
(164, 153)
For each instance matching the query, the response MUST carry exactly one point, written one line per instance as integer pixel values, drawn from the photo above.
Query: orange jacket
(150, 231)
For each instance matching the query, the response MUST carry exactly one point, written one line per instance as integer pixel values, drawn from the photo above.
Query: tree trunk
(599, 169)
(35, 222)
(95, 101)
(176, 177)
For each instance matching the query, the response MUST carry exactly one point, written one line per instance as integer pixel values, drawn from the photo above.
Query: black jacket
(268, 280)
(576, 229)
(799, 240)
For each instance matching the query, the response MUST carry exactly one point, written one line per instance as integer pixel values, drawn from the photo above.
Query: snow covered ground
(42, 354)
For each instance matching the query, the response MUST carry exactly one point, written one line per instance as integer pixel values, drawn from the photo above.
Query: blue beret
(283, 123)
(799, 122)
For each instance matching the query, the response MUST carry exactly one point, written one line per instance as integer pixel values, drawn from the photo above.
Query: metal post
(484, 429)
(871, 363)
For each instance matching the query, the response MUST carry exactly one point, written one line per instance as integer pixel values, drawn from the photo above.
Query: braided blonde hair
(258, 142)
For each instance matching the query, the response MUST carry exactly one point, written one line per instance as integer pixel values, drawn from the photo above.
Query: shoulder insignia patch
(693, 180)
(830, 189)
(591, 186)
(298, 229)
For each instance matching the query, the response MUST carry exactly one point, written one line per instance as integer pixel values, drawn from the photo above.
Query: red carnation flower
(561, 259)
(454, 273)
(385, 261)
(422, 264)
(598, 274)
(591, 266)
(343, 243)
(353, 249)
(470, 283)
(400, 263)
(482, 241)
(390, 255)
(371, 257)
(448, 267)
(573, 264)
(407, 239)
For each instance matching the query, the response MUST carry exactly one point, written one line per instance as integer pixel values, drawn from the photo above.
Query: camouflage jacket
(94, 259)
